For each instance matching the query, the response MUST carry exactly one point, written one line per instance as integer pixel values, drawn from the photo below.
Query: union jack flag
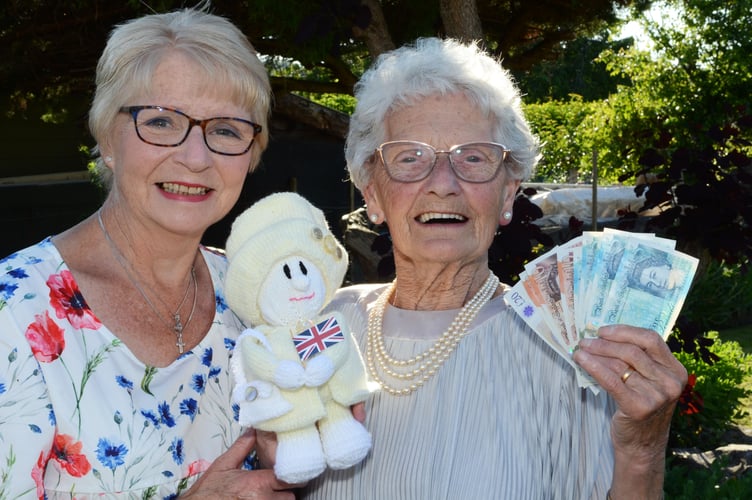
(318, 338)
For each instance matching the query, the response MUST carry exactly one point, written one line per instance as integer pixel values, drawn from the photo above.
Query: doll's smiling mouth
(306, 297)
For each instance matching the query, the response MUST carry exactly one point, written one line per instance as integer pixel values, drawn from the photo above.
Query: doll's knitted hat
(275, 227)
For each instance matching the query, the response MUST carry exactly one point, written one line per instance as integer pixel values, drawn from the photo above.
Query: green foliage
(576, 72)
(684, 482)
(571, 133)
(340, 102)
(565, 152)
(721, 297)
(714, 396)
(686, 119)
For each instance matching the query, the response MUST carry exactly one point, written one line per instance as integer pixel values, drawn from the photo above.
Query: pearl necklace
(177, 326)
(428, 362)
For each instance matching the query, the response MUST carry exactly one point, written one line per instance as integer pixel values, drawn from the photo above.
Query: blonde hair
(135, 49)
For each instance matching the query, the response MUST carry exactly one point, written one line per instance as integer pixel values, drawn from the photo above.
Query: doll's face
(294, 290)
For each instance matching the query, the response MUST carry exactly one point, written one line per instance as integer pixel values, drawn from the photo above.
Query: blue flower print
(124, 383)
(206, 359)
(7, 289)
(221, 304)
(110, 454)
(165, 415)
(18, 273)
(199, 383)
(189, 407)
(150, 417)
(177, 450)
(135, 445)
(229, 344)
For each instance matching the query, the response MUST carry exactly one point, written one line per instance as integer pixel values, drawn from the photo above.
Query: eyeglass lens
(167, 127)
(408, 161)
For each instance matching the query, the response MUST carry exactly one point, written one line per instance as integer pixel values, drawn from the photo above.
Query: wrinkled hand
(645, 399)
(359, 412)
(266, 448)
(319, 369)
(224, 479)
(289, 374)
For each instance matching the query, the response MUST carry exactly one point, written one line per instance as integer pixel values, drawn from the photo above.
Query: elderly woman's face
(440, 218)
(185, 188)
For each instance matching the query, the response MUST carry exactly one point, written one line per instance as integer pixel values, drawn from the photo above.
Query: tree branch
(309, 113)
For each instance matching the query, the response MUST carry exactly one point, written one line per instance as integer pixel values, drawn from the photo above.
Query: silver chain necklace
(177, 326)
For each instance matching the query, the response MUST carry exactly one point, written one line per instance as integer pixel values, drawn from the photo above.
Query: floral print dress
(80, 415)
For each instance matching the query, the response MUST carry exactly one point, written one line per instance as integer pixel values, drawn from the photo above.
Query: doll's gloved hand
(289, 374)
(319, 369)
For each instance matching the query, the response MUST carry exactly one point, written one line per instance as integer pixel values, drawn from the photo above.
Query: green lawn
(742, 334)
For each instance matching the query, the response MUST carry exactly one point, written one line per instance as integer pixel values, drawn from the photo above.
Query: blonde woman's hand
(224, 479)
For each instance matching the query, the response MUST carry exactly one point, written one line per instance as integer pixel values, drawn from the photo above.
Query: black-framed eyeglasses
(167, 127)
(413, 161)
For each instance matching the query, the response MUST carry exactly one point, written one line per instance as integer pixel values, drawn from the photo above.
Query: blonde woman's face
(185, 188)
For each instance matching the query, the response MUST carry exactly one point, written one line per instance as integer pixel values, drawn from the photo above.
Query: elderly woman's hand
(639, 371)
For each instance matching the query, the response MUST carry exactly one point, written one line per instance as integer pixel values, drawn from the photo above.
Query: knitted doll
(297, 372)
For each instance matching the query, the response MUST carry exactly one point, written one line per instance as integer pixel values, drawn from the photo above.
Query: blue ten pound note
(649, 288)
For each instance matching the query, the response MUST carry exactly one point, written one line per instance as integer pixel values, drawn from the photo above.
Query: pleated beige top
(502, 419)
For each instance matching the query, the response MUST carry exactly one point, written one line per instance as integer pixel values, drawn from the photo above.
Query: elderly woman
(471, 403)
(114, 335)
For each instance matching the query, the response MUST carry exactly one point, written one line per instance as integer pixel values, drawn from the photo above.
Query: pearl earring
(507, 215)
(374, 218)
(107, 159)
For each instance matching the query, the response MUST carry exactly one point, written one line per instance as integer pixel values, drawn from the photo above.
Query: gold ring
(627, 374)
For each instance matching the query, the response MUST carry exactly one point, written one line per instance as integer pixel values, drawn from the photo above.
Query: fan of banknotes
(602, 278)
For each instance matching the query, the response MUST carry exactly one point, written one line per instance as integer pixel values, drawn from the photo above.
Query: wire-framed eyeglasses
(167, 127)
(413, 161)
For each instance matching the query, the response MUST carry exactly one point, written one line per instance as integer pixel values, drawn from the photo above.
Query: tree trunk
(376, 36)
(461, 19)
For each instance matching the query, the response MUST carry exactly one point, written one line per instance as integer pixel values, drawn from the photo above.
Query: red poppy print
(68, 302)
(67, 454)
(37, 474)
(46, 338)
(198, 467)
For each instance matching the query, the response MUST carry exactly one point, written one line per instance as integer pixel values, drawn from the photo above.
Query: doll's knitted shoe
(300, 457)
(346, 442)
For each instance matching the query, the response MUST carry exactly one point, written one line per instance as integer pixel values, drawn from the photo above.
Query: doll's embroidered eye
(303, 268)
(286, 269)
